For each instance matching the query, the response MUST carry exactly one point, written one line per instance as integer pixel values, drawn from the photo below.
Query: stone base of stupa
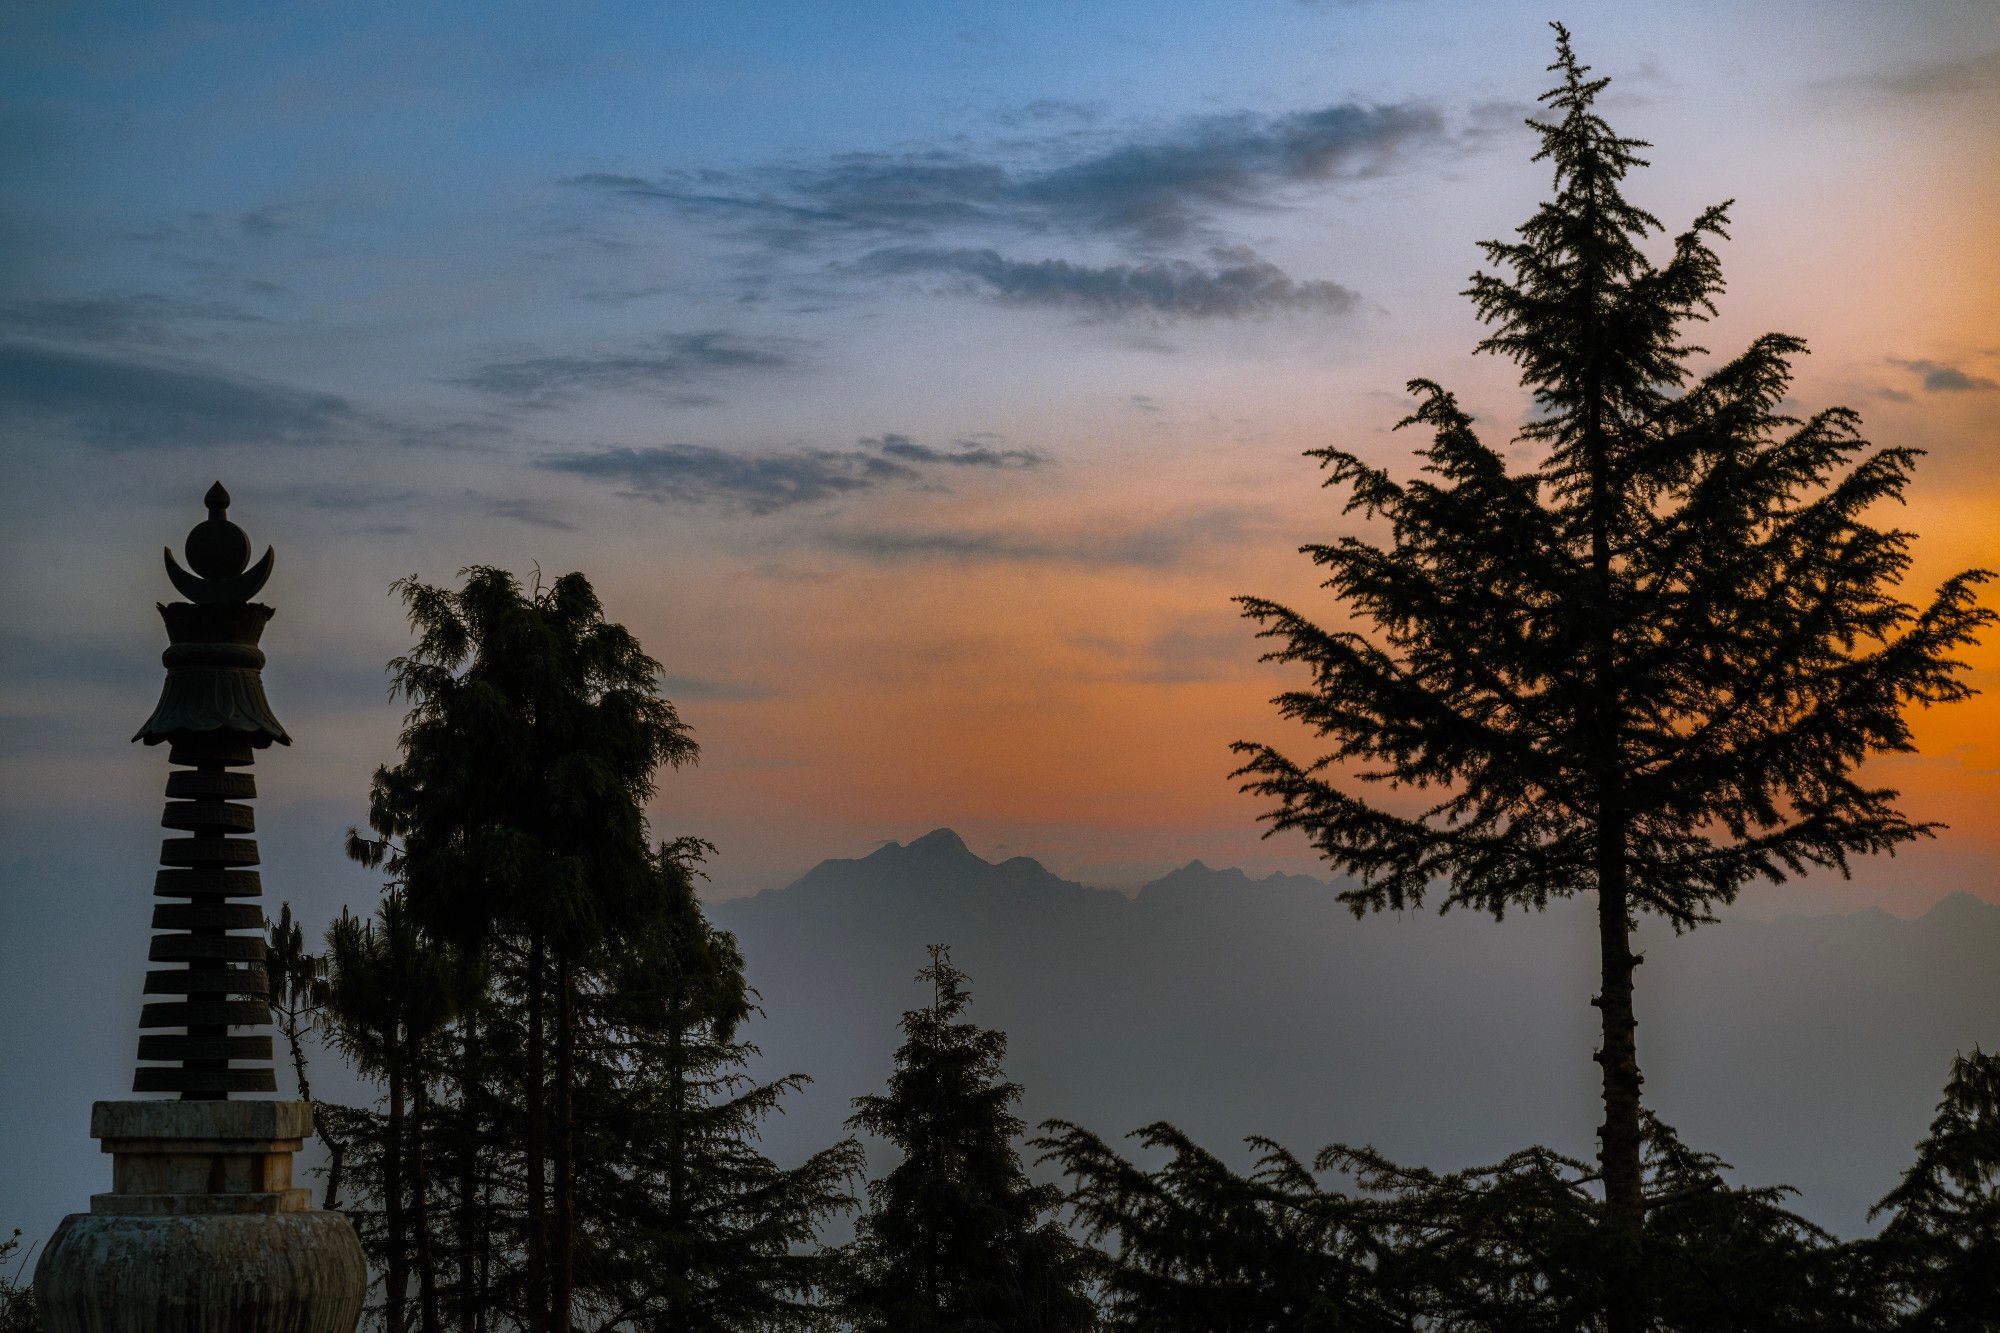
(203, 1230)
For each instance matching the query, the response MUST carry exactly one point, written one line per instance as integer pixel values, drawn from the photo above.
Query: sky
(918, 381)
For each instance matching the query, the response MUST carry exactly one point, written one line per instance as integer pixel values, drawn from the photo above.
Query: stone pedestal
(203, 1230)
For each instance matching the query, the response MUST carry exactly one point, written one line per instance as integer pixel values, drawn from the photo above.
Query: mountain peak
(1959, 908)
(940, 840)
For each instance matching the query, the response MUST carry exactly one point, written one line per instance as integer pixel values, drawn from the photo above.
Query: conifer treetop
(1676, 612)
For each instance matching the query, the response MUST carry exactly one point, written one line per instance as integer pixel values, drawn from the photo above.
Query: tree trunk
(1618, 1137)
(676, 1144)
(537, 1150)
(336, 1157)
(427, 1295)
(293, 1037)
(336, 1151)
(1618, 1056)
(470, 1297)
(565, 1219)
(396, 1275)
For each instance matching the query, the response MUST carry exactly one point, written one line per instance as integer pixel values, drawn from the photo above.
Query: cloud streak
(976, 453)
(1939, 377)
(766, 483)
(1237, 285)
(662, 366)
(118, 403)
(143, 317)
(1160, 189)
(1931, 81)
(1162, 544)
(964, 213)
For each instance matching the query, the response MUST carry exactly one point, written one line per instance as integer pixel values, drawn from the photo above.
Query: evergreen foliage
(18, 1312)
(389, 993)
(1939, 1252)
(1353, 1241)
(686, 1225)
(1191, 1246)
(568, 1136)
(298, 994)
(956, 1237)
(1644, 662)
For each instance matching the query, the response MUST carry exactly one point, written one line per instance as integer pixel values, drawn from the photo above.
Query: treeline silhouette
(1643, 662)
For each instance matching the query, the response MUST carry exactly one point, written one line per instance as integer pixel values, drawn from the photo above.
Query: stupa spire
(209, 928)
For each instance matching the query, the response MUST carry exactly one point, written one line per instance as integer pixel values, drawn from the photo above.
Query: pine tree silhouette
(1644, 664)
(595, 1125)
(1940, 1250)
(956, 1237)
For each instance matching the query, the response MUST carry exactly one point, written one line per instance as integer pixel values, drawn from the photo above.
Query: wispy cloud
(142, 317)
(1929, 81)
(1160, 544)
(1161, 189)
(1941, 377)
(528, 512)
(1237, 284)
(996, 218)
(394, 510)
(130, 404)
(765, 483)
(1190, 650)
(980, 452)
(662, 366)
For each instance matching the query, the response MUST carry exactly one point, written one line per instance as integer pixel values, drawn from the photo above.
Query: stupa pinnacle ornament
(214, 667)
(203, 1230)
(214, 717)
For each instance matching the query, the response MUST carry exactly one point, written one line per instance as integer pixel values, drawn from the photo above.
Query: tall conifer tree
(956, 1237)
(389, 993)
(587, 1156)
(535, 732)
(1645, 662)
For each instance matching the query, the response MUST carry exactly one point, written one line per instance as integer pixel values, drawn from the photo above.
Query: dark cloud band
(664, 365)
(1159, 189)
(1238, 285)
(119, 403)
(765, 483)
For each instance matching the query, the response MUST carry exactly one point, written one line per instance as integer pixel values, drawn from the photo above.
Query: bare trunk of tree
(427, 1292)
(565, 1220)
(676, 1143)
(537, 1149)
(396, 1276)
(470, 1295)
(1619, 1136)
(336, 1158)
(1618, 1056)
(336, 1151)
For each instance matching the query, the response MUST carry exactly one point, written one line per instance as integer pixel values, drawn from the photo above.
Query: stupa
(204, 1230)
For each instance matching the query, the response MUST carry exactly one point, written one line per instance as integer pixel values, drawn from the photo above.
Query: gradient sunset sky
(919, 381)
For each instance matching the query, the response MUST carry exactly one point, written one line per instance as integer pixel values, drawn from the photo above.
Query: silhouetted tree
(1191, 1246)
(18, 1312)
(956, 1237)
(1647, 663)
(388, 995)
(683, 1223)
(1940, 1250)
(535, 731)
(583, 1114)
(1353, 1241)
(297, 994)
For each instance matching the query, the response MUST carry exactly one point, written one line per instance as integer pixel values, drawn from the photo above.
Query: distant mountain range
(1806, 1050)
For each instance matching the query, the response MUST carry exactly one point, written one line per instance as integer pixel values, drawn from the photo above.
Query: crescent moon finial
(217, 553)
